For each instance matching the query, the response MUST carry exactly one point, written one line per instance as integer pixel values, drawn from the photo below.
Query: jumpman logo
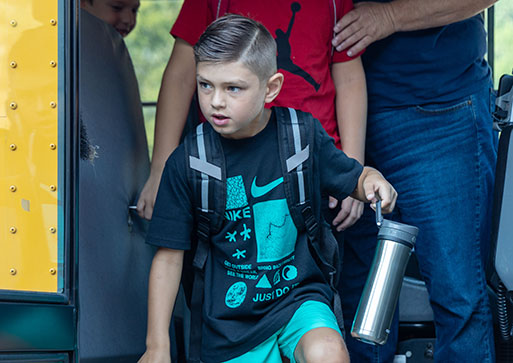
(284, 51)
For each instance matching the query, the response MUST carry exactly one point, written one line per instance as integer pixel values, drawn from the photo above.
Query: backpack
(206, 176)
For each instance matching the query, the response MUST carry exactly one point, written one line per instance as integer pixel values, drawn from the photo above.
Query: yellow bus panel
(29, 256)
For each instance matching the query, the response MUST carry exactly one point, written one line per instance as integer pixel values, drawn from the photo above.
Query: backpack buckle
(203, 227)
(310, 221)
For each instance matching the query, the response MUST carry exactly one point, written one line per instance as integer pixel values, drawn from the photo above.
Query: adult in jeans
(430, 133)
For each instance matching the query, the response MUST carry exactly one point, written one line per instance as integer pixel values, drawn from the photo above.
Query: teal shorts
(310, 315)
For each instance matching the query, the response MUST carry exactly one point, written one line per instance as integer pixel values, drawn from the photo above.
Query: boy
(264, 295)
(328, 84)
(121, 14)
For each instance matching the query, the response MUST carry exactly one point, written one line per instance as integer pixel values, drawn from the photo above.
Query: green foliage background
(150, 45)
(503, 39)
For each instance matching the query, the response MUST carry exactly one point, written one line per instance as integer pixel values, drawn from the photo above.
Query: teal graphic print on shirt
(236, 294)
(235, 193)
(263, 283)
(259, 191)
(263, 231)
(274, 230)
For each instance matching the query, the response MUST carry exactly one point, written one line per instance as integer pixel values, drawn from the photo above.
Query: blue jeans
(441, 160)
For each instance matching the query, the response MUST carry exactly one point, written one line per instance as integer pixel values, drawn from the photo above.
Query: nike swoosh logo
(257, 191)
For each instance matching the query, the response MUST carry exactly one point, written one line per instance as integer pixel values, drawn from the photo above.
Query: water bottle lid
(399, 232)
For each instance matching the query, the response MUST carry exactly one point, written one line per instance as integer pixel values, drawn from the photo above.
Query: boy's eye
(116, 8)
(234, 89)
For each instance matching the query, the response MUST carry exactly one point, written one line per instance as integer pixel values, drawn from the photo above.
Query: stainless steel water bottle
(381, 292)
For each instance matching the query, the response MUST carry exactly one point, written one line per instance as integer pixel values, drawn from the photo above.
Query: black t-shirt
(259, 270)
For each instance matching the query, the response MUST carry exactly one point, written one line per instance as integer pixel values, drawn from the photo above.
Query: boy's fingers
(370, 193)
(388, 195)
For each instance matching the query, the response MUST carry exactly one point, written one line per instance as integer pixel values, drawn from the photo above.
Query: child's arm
(371, 186)
(177, 88)
(165, 275)
(351, 108)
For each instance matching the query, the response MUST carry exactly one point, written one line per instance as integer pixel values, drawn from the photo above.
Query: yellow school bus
(73, 263)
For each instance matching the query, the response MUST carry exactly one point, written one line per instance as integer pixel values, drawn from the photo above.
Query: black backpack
(207, 179)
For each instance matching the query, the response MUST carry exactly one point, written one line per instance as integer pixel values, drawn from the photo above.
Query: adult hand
(366, 23)
(350, 211)
(147, 198)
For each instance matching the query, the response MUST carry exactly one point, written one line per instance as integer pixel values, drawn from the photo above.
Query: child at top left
(121, 14)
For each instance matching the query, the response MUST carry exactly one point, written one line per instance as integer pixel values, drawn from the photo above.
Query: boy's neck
(265, 117)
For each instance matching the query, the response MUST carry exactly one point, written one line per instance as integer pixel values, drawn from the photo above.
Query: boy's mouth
(220, 120)
(123, 32)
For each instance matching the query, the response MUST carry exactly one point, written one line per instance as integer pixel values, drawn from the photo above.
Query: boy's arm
(165, 275)
(351, 109)
(371, 186)
(176, 91)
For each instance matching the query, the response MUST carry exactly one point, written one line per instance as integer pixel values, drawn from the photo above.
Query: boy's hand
(375, 187)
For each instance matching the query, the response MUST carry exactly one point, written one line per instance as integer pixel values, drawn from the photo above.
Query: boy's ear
(273, 87)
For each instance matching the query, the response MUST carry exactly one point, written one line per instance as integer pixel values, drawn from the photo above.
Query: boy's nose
(218, 100)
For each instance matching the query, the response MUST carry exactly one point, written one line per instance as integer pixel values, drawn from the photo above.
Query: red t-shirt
(303, 30)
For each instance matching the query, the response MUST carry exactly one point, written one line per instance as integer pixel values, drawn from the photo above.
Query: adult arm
(165, 274)
(351, 109)
(372, 21)
(176, 91)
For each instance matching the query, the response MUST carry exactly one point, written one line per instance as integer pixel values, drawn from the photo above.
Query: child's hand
(375, 187)
(155, 356)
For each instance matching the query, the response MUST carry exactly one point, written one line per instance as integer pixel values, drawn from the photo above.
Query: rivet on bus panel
(53, 146)
(53, 63)
(53, 21)
(12, 147)
(13, 23)
(13, 64)
(12, 188)
(53, 229)
(52, 271)
(53, 188)
(12, 271)
(13, 105)
(53, 104)
(12, 230)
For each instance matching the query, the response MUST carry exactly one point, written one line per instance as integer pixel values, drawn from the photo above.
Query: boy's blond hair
(233, 38)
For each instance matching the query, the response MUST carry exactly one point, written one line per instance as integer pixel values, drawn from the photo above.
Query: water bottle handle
(379, 216)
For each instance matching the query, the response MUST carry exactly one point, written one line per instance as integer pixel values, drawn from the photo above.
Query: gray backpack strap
(301, 155)
(296, 142)
(205, 168)
(296, 135)
(206, 175)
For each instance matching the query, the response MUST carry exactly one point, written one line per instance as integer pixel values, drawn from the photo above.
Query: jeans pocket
(442, 108)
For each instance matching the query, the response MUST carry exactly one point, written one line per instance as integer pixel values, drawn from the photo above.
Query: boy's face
(232, 98)
(121, 14)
